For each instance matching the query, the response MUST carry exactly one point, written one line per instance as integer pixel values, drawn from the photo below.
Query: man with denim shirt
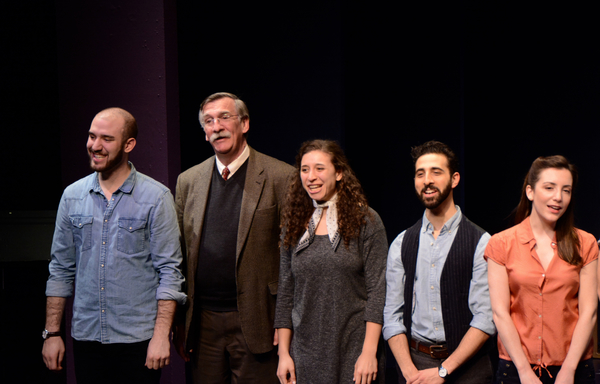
(436, 269)
(117, 238)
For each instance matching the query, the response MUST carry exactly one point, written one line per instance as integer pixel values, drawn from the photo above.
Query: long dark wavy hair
(566, 236)
(351, 204)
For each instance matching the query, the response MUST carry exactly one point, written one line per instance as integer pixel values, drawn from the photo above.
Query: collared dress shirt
(543, 303)
(235, 164)
(427, 304)
(123, 255)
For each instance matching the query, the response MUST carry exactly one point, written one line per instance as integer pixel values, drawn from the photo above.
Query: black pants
(508, 374)
(112, 363)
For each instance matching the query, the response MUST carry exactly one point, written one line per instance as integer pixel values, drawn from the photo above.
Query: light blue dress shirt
(123, 254)
(427, 305)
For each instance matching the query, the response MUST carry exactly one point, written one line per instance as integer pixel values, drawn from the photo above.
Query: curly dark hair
(351, 205)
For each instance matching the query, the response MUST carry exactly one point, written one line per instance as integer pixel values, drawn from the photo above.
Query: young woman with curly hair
(542, 278)
(332, 276)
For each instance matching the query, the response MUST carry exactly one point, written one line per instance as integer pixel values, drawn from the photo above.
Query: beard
(111, 162)
(434, 202)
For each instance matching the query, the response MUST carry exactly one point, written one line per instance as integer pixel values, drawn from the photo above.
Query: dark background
(500, 83)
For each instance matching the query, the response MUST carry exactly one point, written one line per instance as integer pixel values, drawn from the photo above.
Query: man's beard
(111, 163)
(434, 202)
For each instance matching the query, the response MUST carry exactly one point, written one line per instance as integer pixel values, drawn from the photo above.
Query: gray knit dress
(326, 297)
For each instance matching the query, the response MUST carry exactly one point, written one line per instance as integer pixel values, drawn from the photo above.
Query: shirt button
(543, 275)
(539, 337)
(540, 293)
(432, 287)
(105, 221)
(540, 315)
(104, 242)
(436, 328)
(130, 228)
(432, 265)
(103, 311)
(432, 244)
(102, 289)
(434, 308)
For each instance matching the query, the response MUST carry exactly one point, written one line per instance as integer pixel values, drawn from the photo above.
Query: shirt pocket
(82, 231)
(131, 235)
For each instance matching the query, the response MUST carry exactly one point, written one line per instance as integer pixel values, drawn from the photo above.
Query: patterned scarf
(332, 225)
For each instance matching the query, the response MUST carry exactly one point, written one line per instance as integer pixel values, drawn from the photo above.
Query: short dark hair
(438, 148)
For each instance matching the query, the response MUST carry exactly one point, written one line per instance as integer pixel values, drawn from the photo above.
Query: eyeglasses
(224, 118)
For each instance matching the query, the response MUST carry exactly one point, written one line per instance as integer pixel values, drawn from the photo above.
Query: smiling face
(106, 144)
(226, 136)
(551, 195)
(433, 181)
(319, 176)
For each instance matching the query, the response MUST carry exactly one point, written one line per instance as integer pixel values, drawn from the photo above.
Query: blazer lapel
(200, 195)
(253, 186)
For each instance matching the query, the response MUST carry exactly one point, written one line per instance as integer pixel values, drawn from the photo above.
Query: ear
(529, 192)
(245, 124)
(129, 145)
(339, 175)
(455, 179)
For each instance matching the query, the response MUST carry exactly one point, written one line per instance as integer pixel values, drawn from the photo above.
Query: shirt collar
(126, 187)
(235, 164)
(525, 233)
(450, 225)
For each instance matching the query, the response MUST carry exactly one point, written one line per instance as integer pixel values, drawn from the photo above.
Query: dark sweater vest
(454, 281)
(216, 287)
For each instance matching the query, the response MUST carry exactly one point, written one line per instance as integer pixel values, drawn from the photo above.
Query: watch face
(443, 372)
(44, 334)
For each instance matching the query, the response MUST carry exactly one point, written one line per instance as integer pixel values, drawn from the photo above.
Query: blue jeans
(508, 374)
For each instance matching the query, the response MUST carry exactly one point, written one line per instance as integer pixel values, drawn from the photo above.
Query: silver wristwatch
(443, 372)
(46, 334)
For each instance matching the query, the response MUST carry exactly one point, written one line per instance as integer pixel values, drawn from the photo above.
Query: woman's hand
(528, 376)
(286, 369)
(365, 369)
(565, 376)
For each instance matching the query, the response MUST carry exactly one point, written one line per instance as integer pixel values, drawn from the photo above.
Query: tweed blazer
(257, 249)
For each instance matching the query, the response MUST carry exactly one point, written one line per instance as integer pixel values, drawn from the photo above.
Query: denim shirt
(123, 254)
(427, 303)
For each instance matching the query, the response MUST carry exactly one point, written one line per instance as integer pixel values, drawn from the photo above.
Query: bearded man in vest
(436, 269)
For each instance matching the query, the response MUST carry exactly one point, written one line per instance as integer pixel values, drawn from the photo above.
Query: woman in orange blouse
(543, 283)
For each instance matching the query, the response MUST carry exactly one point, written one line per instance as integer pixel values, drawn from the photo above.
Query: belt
(435, 351)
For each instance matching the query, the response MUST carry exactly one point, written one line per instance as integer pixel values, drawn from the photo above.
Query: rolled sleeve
(62, 263)
(166, 251)
(479, 294)
(393, 320)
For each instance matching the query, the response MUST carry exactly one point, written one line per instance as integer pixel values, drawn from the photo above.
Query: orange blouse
(543, 303)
